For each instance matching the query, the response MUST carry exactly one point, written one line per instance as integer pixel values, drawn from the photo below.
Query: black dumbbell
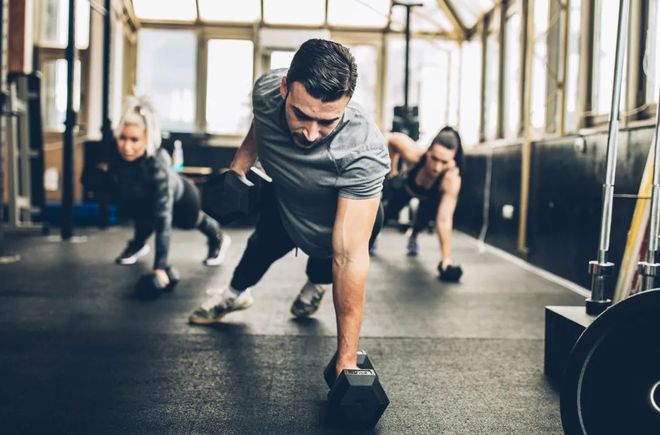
(227, 197)
(149, 286)
(329, 374)
(450, 273)
(356, 398)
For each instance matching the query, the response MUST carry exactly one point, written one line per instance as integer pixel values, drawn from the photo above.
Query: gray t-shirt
(352, 164)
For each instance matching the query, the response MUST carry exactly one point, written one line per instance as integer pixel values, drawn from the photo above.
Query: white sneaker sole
(204, 321)
(224, 249)
(134, 258)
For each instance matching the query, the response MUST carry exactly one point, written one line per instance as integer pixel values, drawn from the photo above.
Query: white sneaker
(217, 254)
(221, 303)
(308, 299)
(131, 255)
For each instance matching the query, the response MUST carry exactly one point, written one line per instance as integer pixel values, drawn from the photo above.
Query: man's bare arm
(350, 241)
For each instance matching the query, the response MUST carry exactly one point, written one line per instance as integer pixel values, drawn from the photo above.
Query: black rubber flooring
(80, 354)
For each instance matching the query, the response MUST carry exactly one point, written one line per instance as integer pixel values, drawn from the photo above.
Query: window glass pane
(573, 66)
(54, 89)
(652, 54)
(166, 72)
(281, 59)
(471, 92)
(366, 57)
(429, 83)
(540, 64)
(607, 17)
(243, 11)
(166, 10)
(372, 13)
(228, 89)
(492, 78)
(512, 76)
(308, 12)
(54, 23)
(469, 11)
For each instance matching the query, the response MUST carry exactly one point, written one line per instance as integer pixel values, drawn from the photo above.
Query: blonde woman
(153, 195)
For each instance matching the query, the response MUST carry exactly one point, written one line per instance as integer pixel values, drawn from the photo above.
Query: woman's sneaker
(131, 254)
(218, 250)
(412, 247)
(221, 303)
(308, 299)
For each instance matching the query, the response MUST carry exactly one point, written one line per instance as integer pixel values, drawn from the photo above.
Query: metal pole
(650, 269)
(3, 98)
(106, 125)
(406, 73)
(70, 125)
(601, 269)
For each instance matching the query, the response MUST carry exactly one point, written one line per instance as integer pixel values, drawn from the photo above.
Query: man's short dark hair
(326, 69)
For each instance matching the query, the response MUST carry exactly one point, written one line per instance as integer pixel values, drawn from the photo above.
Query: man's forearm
(349, 279)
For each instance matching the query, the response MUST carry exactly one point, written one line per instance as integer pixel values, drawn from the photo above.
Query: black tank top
(419, 191)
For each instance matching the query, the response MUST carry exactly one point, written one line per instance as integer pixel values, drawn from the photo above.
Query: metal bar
(613, 133)
(406, 72)
(649, 268)
(70, 125)
(601, 269)
(106, 124)
(2, 110)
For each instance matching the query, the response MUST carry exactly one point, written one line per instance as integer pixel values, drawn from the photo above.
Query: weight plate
(611, 380)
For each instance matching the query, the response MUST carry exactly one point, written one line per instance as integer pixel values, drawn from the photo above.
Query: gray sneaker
(221, 303)
(308, 300)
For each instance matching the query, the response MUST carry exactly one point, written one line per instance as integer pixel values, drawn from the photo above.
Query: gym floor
(82, 355)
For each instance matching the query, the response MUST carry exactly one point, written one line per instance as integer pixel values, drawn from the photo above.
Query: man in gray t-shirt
(327, 161)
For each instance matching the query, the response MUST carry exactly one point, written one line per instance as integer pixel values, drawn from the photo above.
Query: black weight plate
(610, 381)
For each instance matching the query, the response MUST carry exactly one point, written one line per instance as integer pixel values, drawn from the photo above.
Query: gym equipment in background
(25, 153)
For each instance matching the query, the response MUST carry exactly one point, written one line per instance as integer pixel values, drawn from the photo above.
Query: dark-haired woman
(433, 177)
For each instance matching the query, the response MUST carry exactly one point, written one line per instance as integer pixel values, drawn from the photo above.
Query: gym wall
(564, 201)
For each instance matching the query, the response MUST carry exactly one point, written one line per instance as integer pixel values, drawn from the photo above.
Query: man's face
(310, 120)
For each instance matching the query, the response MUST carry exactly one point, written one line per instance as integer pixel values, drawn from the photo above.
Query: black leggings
(270, 241)
(398, 197)
(186, 214)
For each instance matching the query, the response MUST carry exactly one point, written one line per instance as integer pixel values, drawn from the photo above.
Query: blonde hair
(139, 111)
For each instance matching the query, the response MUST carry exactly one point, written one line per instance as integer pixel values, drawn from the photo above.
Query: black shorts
(396, 197)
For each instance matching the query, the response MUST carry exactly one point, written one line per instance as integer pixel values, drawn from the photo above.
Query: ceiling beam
(459, 29)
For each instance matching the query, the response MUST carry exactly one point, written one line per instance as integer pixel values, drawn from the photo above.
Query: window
(492, 77)
(54, 23)
(470, 92)
(165, 10)
(371, 13)
(573, 65)
(166, 73)
(512, 73)
(606, 22)
(309, 12)
(246, 11)
(228, 89)
(281, 58)
(428, 81)
(652, 53)
(54, 88)
(366, 57)
(540, 65)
